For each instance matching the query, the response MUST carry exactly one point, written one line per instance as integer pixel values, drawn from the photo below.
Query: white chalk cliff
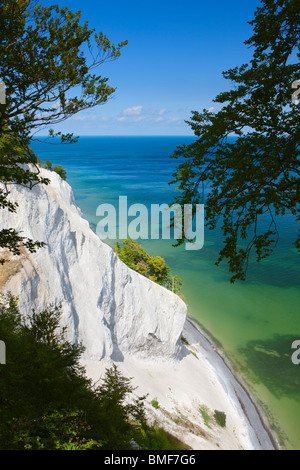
(123, 318)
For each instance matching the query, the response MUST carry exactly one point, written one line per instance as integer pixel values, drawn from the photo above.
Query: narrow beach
(199, 380)
(233, 384)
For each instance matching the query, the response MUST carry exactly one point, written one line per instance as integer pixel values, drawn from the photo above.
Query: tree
(58, 430)
(152, 267)
(48, 403)
(48, 62)
(14, 168)
(121, 417)
(46, 400)
(257, 174)
(42, 381)
(57, 168)
(60, 171)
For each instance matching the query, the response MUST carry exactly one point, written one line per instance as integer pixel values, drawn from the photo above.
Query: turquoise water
(254, 322)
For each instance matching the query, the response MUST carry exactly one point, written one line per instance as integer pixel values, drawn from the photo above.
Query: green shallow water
(254, 322)
(255, 325)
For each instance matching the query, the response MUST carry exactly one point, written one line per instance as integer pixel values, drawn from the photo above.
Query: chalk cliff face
(106, 306)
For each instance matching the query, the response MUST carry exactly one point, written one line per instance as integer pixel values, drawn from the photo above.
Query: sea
(253, 322)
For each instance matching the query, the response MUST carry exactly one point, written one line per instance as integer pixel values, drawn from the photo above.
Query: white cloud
(134, 111)
(56, 105)
(85, 117)
(175, 119)
(149, 117)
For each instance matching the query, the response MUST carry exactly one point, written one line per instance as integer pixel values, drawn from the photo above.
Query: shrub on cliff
(153, 267)
(57, 168)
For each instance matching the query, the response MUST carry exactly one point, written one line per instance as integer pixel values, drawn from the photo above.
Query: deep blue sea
(254, 322)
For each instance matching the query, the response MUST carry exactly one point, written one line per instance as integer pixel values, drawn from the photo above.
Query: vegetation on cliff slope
(48, 403)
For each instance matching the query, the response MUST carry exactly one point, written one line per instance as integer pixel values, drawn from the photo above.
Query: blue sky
(172, 64)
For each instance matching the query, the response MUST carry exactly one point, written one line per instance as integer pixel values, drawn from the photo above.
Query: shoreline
(256, 417)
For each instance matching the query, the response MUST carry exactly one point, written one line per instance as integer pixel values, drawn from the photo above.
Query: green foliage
(42, 372)
(159, 439)
(48, 403)
(48, 165)
(48, 61)
(153, 267)
(220, 418)
(60, 171)
(205, 415)
(122, 419)
(184, 340)
(194, 354)
(60, 430)
(14, 168)
(155, 403)
(257, 177)
(57, 168)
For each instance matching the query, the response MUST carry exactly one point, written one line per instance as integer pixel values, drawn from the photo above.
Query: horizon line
(125, 135)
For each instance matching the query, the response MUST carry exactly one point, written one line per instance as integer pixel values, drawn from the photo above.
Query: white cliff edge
(123, 318)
